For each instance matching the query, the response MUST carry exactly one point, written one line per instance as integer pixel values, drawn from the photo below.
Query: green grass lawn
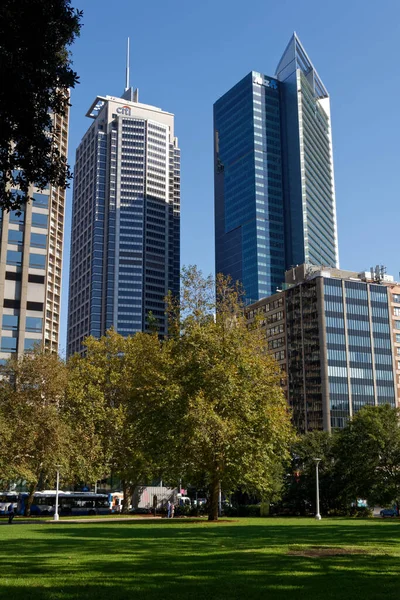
(247, 559)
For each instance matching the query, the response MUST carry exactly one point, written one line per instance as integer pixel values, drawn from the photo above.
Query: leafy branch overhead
(36, 76)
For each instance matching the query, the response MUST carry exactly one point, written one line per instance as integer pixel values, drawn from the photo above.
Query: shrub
(242, 510)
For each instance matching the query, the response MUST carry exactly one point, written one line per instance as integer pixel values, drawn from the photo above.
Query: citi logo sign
(124, 110)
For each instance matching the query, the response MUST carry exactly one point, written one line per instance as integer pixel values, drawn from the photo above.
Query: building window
(17, 218)
(30, 344)
(10, 322)
(37, 261)
(396, 312)
(14, 258)
(8, 344)
(396, 323)
(15, 236)
(38, 240)
(34, 324)
(9, 303)
(12, 276)
(35, 278)
(34, 306)
(41, 200)
(39, 220)
(396, 298)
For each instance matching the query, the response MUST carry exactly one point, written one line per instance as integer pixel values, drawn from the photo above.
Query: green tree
(32, 393)
(7, 465)
(300, 482)
(118, 397)
(369, 455)
(36, 75)
(235, 426)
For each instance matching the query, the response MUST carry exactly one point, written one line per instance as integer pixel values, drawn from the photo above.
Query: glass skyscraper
(274, 184)
(125, 244)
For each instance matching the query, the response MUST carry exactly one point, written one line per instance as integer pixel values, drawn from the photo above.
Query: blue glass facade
(273, 175)
(249, 219)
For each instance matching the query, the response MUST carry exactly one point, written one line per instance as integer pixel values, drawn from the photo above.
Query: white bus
(69, 503)
(7, 498)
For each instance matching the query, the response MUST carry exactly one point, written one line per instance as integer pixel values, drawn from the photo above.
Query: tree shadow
(115, 561)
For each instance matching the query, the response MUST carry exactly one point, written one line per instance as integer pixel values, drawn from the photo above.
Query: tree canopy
(32, 394)
(236, 426)
(368, 455)
(119, 397)
(36, 75)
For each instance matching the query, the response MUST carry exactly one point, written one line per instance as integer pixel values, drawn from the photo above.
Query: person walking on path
(11, 513)
(168, 509)
(172, 510)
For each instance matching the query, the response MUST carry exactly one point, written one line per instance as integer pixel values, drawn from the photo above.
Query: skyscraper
(30, 266)
(125, 244)
(274, 185)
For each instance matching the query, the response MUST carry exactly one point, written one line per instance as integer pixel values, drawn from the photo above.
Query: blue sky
(185, 55)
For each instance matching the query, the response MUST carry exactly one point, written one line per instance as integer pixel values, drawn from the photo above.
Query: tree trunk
(127, 489)
(214, 499)
(29, 500)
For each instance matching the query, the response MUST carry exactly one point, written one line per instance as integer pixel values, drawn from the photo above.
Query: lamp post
(317, 461)
(56, 515)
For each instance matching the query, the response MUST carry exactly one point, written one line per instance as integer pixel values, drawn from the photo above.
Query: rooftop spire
(127, 67)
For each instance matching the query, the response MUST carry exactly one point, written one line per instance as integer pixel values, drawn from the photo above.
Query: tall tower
(273, 175)
(31, 250)
(310, 204)
(125, 243)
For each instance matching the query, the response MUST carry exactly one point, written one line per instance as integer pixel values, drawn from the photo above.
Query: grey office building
(335, 335)
(274, 183)
(125, 246)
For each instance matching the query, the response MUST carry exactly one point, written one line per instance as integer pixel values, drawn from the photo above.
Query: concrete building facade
(31, 251)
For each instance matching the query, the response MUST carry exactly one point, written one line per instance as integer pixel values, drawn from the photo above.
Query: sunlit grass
(246, 559)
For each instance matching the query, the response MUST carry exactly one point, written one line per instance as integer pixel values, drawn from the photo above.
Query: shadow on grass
(187, 560)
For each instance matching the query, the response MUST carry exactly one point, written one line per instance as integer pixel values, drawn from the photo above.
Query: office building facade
(274, 187)
(125, 243)
(334, 335)
(31, 250)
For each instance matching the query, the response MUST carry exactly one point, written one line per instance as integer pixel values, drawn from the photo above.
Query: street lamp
(56, 515)
(317, 461)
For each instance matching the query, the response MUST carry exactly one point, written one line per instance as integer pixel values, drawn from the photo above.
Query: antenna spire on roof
(127, 67)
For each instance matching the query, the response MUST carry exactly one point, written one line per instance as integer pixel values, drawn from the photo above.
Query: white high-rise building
(125, 244)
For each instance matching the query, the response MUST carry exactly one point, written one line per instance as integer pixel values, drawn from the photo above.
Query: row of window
(38, 219)
(36, 261)
(38, 240)
(10, 322)
(9, 344)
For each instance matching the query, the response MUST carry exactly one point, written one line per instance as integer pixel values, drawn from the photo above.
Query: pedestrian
(172, 510)
(11, 513)
(168, 509)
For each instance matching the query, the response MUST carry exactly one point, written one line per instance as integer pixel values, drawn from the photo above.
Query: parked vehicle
(115, 499)
(69, 503)
(388, 512)
(6, 498)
